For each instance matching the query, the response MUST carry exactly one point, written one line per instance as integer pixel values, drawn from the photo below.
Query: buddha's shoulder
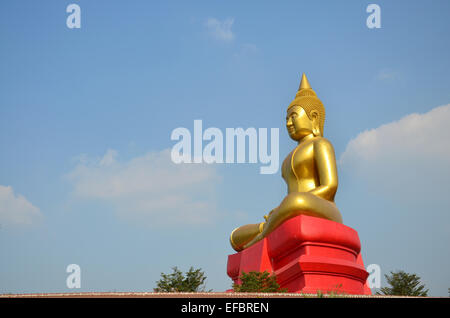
(316, 141)
(321, 142)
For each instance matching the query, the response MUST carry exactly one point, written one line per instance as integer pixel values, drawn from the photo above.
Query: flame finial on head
(304, 84)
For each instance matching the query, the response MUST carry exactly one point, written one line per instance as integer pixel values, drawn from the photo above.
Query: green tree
(192, 281)
(403, 284)
(258, 282)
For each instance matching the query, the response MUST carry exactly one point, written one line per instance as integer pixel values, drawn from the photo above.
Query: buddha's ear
(314, 115)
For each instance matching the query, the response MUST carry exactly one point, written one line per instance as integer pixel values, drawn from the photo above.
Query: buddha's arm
(327, 170)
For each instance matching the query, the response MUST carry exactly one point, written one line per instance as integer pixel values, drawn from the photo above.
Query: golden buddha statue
(309, 171)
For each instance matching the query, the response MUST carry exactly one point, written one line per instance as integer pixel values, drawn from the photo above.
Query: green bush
(193, 281)
(403, 284)
(258, 282)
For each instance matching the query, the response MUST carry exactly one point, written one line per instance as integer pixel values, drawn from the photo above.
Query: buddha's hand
(266, 217)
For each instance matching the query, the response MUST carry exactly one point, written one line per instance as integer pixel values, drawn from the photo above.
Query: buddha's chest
(298, 169)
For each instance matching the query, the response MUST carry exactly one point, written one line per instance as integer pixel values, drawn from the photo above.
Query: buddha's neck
(306, 138)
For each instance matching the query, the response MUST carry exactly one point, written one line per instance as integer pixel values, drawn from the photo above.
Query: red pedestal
(307, 254)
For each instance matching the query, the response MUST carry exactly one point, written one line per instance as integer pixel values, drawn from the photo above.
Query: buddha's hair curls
(308, 100)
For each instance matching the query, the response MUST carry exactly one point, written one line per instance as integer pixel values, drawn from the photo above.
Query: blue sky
(86, 116)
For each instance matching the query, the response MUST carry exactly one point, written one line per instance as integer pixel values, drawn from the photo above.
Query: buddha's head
(306, 113)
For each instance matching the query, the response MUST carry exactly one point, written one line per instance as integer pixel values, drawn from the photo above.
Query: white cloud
(408, 157)
(149, 188)
(400, 198)
(16, 209)
(220, 30)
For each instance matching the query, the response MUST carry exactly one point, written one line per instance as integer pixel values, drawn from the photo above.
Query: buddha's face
(298, 123)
